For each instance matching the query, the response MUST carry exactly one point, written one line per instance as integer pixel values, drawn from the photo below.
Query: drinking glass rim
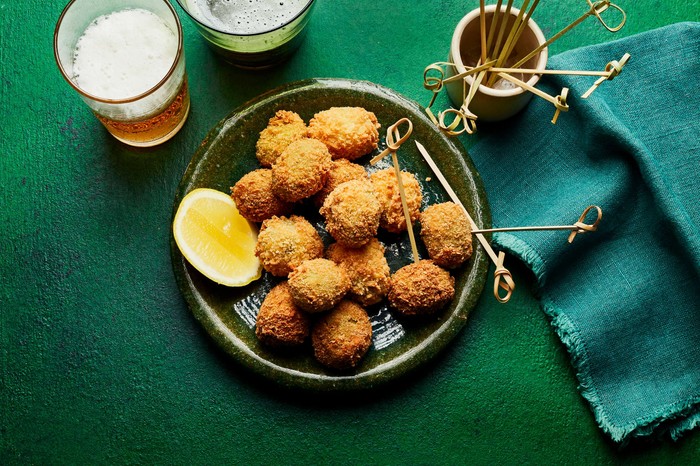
(244, 34)
(128, 99)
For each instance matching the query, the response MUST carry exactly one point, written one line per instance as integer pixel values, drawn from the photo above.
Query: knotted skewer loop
(462, 116)
(433, 84)
(449, 129)
(612, 69)
(560, 104)
(599, 7)
(559, 101)
(503, 280)
(394, 139)
(468, 117)
(583, 227)
(469, 120)
(392, 132)
(615, 67)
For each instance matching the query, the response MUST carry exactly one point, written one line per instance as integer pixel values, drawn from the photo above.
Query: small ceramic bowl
(493, 104)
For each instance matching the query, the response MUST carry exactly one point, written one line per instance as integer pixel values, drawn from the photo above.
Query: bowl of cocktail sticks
(509, 37)
(497, 56)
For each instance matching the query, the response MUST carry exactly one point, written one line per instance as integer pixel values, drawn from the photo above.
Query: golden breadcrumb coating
(279, 321)
(342, 337)
(447, 235)
(349, 132)
(421, 288)
(367, 268)
(352, 213)
(342, 170)
(282, 129)
(301, 170)
(318, 285)
(284, 243)
(254, 198)
(386, 186)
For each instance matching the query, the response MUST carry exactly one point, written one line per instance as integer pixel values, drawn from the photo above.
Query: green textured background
(103, 363)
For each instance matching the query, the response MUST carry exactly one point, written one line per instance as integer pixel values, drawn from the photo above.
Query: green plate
(398, 346)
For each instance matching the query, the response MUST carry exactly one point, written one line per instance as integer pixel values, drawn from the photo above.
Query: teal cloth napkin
(625, 300)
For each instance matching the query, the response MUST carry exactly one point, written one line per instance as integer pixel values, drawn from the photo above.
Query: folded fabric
(625, 300)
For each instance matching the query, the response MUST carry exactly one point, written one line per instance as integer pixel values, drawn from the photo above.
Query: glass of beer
(251, 34)
(126, 60)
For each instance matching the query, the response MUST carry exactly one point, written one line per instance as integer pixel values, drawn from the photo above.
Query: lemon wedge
(215, 238)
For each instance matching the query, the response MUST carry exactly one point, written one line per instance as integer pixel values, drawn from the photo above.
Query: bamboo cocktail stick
(485, 67)
(502, 276)
(594, 10)
(576, 228)
(612, 69)
(513, 38)
(535, 71)
(482, 27)
(490, 65)
(508, 44)
(502, 27)
(559, 101)
(492, 28)
(394, 139)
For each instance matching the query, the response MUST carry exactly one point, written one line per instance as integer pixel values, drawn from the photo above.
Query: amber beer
(128, 66)
(155, 128)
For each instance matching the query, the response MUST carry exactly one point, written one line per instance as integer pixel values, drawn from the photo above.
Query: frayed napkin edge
(674, 420)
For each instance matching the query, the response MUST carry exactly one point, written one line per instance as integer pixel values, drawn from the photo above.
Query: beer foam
(247, 16)
(123, 54)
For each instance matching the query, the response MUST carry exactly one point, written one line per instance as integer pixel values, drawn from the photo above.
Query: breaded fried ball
(352, 213)
(342, 337)
(386, 186)
(284, 243)
(254, 199)
(279, 321)
(318, 285)
(447, 234)
(349, 132)
(421, 288)
(301, 170)
(367, 268)
(282, 129)
(342, 170)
